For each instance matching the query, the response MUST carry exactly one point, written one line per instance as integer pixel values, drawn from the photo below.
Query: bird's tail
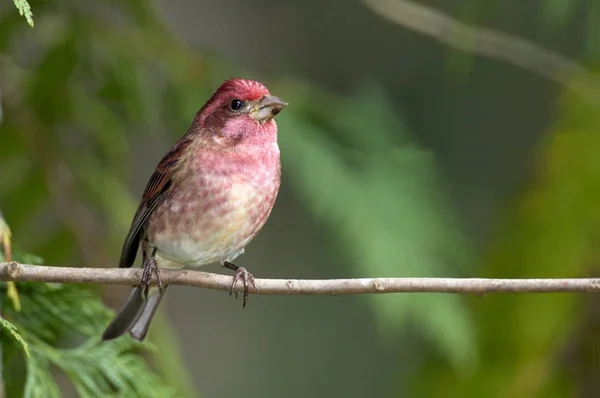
(135, 317)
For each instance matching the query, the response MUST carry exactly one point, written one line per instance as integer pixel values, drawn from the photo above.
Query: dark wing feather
(153, 195)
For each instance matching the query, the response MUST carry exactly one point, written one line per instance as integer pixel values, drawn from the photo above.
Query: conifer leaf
(12, 330)
(52, 312)
(25, 10)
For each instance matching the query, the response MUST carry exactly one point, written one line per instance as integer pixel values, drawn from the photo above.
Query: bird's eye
(236, 105)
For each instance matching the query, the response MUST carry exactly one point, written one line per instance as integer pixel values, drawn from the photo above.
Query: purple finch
(208, 197)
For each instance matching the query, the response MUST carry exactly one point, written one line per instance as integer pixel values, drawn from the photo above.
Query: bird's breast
(215, 209)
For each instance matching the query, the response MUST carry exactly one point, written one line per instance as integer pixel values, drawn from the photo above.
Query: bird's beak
(267, 108)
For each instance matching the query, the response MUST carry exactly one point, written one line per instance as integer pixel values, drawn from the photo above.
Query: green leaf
(25, 10)
(40, 383)
(12, 330)
(103, 369)
(52, 312)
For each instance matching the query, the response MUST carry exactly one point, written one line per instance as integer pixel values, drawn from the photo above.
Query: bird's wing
(153, 195)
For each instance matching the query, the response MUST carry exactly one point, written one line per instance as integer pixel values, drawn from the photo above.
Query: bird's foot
(241, 274)
(149, 270)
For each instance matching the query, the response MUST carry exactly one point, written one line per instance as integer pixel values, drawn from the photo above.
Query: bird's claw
(149, 270)
(247, 278)
(241, 274)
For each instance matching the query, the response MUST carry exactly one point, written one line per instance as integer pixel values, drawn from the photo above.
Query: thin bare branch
(117, 276)
(489, 43)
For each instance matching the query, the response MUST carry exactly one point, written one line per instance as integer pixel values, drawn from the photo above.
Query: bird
(208, 197)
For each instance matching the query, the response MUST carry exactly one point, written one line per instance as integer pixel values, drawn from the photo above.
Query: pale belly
(197, 229)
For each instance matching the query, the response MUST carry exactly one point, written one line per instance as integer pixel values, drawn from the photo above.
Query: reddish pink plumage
(208, 197)
(244, 89)
(225, 186)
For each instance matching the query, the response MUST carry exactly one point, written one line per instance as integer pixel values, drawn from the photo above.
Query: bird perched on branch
(208, 197)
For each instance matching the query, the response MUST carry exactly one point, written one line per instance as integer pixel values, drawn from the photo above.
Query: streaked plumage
(209, 195)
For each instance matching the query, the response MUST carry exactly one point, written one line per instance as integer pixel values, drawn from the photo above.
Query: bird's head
(241, 110)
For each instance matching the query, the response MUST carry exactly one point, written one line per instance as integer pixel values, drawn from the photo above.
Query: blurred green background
(401, 157)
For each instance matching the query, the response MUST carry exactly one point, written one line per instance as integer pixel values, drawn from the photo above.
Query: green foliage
(353, 161)
(53, 314)
(95, 100)
(389, 183)
(65, 134)
(11, 329)
(77, 113)
(25, 10)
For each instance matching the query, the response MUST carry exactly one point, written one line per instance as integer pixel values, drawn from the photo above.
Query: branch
(117, 276)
